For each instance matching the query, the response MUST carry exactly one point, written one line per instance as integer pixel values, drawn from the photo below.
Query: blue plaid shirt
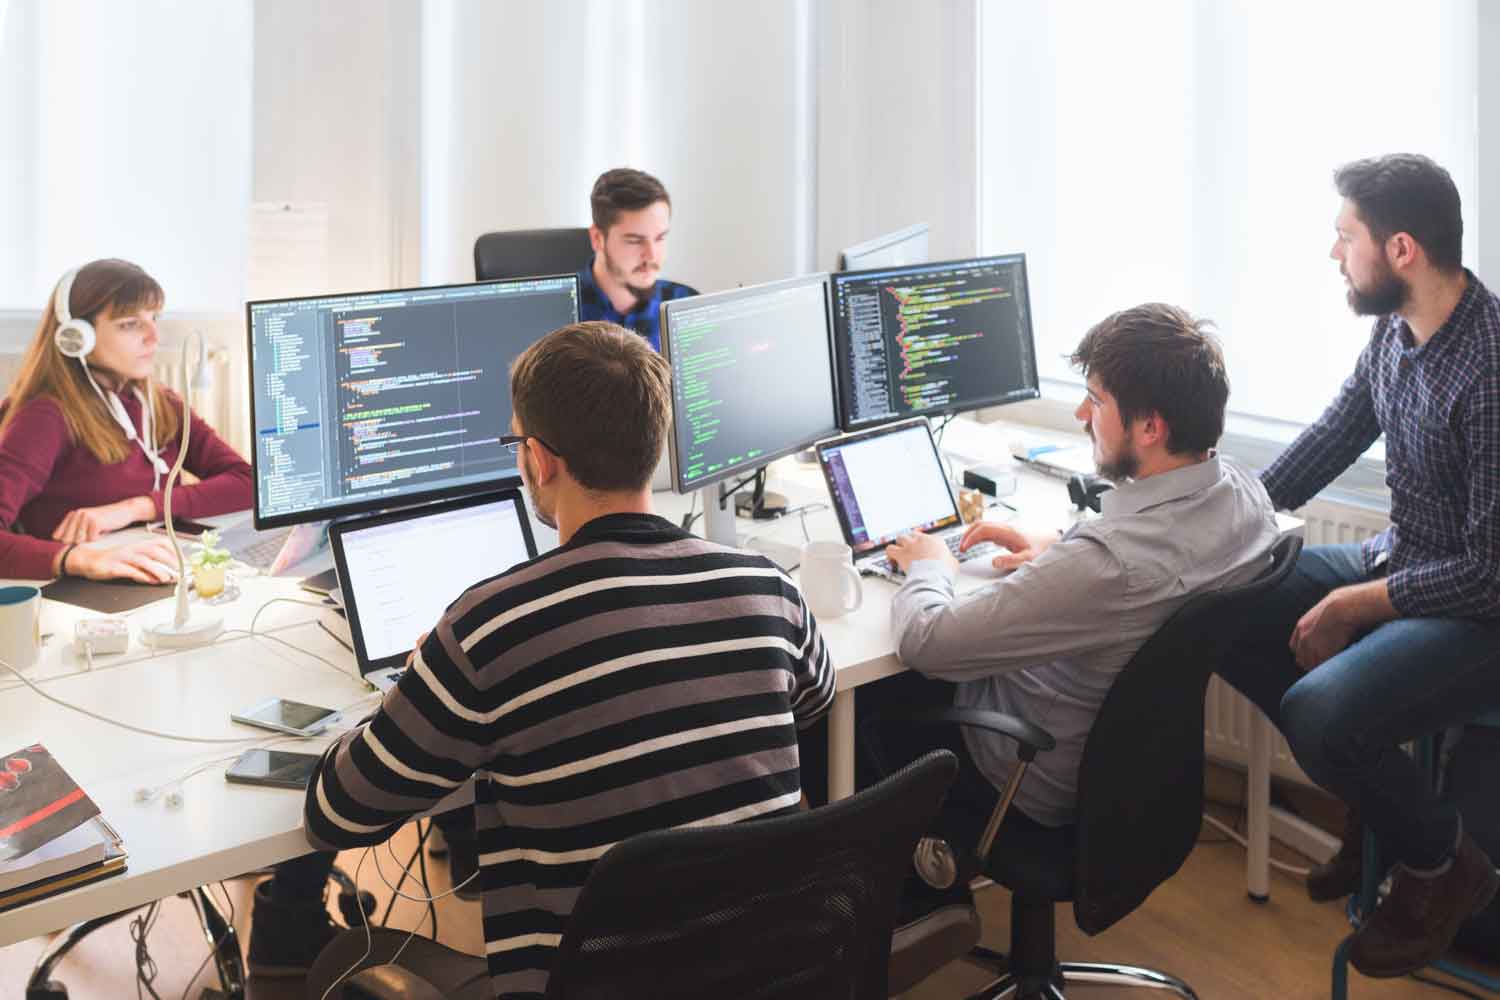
(1439, 408)
(644, 319)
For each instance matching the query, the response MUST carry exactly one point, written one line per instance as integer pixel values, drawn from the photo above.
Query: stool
(1363, 903)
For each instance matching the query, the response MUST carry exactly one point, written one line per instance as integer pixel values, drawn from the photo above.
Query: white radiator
(1226, 725)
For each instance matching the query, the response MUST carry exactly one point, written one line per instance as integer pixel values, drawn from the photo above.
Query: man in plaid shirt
(1368, 646)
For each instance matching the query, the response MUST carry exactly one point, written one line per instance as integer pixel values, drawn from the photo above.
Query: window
(126, 134)
(1184, 152)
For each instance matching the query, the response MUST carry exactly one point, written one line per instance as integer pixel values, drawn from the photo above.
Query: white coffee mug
(828, 580)
(20, 625)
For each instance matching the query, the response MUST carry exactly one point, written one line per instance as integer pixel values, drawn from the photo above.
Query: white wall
(336, 116)
(1487, 123)
(897, 113)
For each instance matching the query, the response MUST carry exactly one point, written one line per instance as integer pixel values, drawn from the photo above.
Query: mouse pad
(106, 596)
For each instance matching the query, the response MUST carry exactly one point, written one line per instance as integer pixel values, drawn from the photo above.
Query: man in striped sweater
(635, 678)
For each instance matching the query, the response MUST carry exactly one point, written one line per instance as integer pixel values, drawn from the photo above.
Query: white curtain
(1184, 151)
(524, 104)
(127, 134)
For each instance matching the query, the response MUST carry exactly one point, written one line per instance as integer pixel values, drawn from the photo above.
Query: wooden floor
(1200, 926)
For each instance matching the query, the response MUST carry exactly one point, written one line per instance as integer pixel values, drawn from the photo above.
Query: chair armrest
(389, 982)
(1029, 738)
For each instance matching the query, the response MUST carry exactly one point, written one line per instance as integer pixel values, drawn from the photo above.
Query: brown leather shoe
(1417, 922)
(1339, 876)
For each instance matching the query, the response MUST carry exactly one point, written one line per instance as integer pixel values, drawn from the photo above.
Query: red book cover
(38, 801)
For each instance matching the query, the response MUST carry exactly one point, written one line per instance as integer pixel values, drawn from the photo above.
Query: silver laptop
(887, 482)
(399, 571)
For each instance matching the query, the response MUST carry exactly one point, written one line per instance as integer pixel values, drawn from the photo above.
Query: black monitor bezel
(669, 309)
(263, 523)
(841, 341)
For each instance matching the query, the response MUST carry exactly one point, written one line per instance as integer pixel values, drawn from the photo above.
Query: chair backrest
(521, 253)
(1140, 785)
(793, 906)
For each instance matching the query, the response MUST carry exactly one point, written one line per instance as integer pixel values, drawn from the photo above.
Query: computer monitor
(371, 400)
(932, 339)
(752, 378)
(904, 246)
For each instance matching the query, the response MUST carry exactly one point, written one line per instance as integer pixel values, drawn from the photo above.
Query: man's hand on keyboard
(909, 548)
(1024, 546)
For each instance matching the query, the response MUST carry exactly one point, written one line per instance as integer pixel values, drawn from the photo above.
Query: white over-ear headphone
(74, 337)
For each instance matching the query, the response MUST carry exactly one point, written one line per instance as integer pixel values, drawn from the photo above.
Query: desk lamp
(188, 626)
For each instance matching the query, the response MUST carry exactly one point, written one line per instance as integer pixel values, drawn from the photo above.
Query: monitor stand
(719, 526)
(760, 504)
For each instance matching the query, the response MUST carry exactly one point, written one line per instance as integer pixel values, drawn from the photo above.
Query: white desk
(222, 829)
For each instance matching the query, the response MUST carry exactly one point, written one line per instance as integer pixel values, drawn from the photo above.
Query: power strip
(101, 636)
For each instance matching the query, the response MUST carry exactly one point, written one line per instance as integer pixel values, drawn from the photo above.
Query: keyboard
(257, 549)
(881, 565)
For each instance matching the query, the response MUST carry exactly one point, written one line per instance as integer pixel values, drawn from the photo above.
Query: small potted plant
(209, 563)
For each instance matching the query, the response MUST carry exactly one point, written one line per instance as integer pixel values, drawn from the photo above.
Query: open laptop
(399, 571)
(887, 482)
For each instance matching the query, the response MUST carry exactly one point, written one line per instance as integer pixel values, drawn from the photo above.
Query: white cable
(1235, 836)
(154, 653)
(125, 725)
(284, 600)
(364, 920)
(415, 899)
(213, 948)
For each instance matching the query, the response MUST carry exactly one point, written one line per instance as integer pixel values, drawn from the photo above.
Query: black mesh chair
(520, 253)
(791, 907)
(1140, 807)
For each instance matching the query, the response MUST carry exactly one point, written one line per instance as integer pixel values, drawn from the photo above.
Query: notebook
(887, 482)
(51, 834)
(399, 571)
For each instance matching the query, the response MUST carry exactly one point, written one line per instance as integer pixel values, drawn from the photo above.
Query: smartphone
(181, 525)
(284, 716)
(276, 768)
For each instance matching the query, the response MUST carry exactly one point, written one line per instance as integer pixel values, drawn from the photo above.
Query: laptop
(273, 552)
(398, 571)
(887, 482)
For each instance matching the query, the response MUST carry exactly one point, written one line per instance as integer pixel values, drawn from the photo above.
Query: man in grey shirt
(1046, 642)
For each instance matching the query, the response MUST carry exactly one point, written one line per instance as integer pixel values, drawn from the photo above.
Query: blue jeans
(1346, 718)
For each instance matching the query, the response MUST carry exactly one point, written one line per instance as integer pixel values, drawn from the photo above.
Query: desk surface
(222, 829)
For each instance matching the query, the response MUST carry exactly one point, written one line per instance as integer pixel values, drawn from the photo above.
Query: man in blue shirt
(623, 284)
(1367, 646)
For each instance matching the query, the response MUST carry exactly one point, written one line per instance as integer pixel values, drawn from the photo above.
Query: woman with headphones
(87, 437)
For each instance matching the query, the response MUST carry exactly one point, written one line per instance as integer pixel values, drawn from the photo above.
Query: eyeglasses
(513, 442)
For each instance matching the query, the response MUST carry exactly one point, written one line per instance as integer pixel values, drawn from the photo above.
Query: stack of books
(52, 837)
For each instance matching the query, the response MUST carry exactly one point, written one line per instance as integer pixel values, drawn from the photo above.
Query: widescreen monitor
(932, 339)
(371, 400)
(752, 378)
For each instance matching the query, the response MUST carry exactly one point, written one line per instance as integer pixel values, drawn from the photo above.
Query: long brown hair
(109, 286)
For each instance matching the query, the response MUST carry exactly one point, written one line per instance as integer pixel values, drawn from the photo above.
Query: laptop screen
(400, 571)
(887, 482)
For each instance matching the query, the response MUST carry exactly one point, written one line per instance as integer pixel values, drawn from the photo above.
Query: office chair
(1140, 808)
(520, 253)
(790, 907)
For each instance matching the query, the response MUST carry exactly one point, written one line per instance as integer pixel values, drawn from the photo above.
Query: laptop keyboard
(254, 548)
(984, 550)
